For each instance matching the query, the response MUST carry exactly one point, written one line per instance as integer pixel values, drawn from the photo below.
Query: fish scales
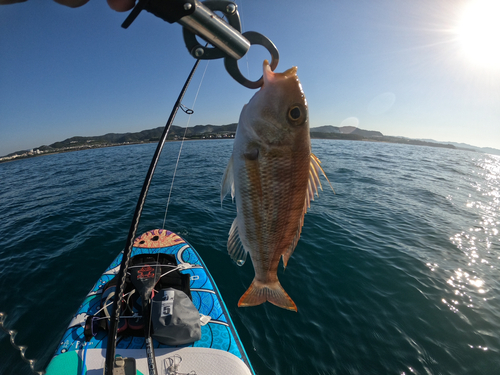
(273, 175)
(273, 212)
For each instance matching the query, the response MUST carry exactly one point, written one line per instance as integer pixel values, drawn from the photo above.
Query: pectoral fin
(227, 181)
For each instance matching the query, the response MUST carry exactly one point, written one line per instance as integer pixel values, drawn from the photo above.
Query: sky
(427, 69)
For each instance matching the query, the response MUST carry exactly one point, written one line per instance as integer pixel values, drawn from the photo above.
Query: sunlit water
(395, 273)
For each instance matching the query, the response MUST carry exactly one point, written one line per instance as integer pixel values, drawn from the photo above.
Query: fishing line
(122, 273)
(182, 144)
(242, 29)
(148, 317)
(189, 112)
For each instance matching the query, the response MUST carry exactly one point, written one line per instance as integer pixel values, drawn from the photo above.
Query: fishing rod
(122, 273)
(197, 19)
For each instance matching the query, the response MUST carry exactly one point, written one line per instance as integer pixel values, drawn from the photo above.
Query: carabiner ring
(232, 64)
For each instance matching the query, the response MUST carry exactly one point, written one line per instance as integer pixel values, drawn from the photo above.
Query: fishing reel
(198, 19)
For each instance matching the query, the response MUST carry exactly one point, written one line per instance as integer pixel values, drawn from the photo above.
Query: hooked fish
(273, 176)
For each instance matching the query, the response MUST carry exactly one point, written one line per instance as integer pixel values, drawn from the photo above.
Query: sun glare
(479, 32)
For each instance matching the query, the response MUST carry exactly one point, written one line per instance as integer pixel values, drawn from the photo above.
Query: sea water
(396, 273)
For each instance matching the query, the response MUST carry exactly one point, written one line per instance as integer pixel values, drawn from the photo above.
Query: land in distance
(224, 131)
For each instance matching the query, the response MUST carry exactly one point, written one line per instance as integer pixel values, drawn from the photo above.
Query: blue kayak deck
(218, 334)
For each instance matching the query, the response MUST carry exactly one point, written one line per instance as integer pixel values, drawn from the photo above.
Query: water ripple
(397, 273)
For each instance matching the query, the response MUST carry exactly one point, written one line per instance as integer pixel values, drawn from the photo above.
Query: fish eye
(296, 114)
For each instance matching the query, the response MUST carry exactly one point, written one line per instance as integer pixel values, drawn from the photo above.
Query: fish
(273, 176)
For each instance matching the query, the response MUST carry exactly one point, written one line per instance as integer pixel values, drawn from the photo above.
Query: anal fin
(286, 256)
(235, 248)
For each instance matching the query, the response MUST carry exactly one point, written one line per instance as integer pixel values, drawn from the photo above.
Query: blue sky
(400, 67)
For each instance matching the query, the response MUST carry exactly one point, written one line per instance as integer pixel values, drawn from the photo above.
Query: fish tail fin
(259, 293)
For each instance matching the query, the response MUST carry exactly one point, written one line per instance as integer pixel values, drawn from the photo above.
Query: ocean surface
(396, 273)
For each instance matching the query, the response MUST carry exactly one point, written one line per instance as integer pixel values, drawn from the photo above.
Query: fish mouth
(270, 76)
(291, 71)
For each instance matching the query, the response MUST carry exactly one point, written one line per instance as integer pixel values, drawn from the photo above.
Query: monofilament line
(180, 149)
(109, 364)
(242, 30)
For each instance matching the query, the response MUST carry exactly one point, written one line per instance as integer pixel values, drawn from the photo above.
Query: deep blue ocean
(396, 273)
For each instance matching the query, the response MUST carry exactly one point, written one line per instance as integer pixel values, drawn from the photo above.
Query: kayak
(209, 345)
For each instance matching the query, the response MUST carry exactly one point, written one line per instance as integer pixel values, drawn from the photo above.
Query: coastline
(314, 135)
(31, 154)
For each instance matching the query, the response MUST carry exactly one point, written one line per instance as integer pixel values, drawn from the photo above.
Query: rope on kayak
(20, 348)
(172, 364)
(182, 143)
(104, 308)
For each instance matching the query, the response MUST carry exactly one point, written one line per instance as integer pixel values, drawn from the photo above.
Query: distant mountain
(356, 134)
(346, 130)
(465, 146)
(228, 131)
(326, 129)
(115, 139)
(353, 133)
(150, 135)
(364, 133)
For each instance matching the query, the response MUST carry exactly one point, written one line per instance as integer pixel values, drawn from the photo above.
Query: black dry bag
(176, 321)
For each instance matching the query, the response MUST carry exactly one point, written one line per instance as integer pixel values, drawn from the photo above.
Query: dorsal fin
(235, 248)
(312, 188)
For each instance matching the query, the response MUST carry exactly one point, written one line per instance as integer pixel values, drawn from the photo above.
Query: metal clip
(230, 11)
(232, 64)
(224, 36)
(199, 19)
